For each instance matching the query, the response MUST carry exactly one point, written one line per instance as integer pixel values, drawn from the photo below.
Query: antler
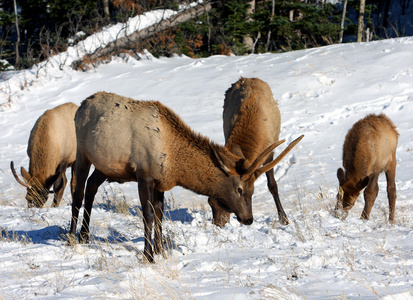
(260, 159)
(272, 164)
(17, 177)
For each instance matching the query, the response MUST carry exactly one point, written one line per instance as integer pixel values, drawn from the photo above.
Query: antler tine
(17, 177)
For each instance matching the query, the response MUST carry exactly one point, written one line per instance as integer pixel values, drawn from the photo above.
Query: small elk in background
(144, 141)
(252, 122)
(369, 149)
(51, 149)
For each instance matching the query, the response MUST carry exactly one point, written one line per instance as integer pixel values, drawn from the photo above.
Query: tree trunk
(291, 15)
(267, 45)
(18, 35)
(106, 11)
(129, 42)
(247, 40)
(360, 28)
(343, 18)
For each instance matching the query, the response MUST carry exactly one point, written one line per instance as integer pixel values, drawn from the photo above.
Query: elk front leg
(220, 217)
(73, 179)
(272, 186)
(82, 171)
(59, 188)
(93, 183)
(146, 195)
(370, 195)
(158, 206)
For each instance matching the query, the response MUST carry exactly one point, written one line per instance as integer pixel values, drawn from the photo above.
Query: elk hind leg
(391, 189)
(370, 195)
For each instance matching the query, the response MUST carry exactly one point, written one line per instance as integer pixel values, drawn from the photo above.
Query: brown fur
(51, 149)
(369, 149)
(144, 141)
(252, 122)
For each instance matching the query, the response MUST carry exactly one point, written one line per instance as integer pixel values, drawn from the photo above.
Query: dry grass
(12, 236)
(114, 199)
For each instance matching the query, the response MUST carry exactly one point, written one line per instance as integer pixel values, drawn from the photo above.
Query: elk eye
(240, 191)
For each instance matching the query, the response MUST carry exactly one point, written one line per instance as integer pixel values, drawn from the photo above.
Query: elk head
(37, 192)
(235, 196)
(348, 192)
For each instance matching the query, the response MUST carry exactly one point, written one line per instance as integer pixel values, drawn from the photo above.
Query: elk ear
(341, 176)
(25, 174)
(363, 183)
(226, 163)
(237, 151)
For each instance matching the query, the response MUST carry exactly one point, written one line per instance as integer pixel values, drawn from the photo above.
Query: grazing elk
(51, 149)
(369, 149)
(252, 122)
(144, 141)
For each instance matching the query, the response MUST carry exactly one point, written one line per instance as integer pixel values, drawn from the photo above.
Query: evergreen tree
(6, 29)
(297, 25)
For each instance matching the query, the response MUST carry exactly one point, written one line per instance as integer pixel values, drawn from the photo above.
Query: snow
(321, 92)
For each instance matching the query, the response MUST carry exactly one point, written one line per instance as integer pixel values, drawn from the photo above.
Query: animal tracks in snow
(324, 79)
(314, 86)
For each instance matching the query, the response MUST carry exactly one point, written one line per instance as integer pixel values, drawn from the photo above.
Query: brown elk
(252, 122)
(51, 149)
(144, 141)
(369, 149)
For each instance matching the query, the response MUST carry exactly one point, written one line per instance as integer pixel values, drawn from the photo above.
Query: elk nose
(246, 222)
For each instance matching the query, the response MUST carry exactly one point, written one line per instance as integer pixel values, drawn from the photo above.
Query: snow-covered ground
(321, 92)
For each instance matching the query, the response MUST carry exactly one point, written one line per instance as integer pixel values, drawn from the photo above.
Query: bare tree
(360, 28)
(248, 40)
(106, 9)
(343, 18)
(267, 46)
(18, 34)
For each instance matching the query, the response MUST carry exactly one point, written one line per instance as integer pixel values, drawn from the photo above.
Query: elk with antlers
(51, 149)
(144, 141)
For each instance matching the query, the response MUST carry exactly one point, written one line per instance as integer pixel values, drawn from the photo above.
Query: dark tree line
(43, 28)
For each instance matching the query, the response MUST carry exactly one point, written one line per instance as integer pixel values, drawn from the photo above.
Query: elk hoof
(148, 258)
(71, 240)
(284, 221)
(84, 238)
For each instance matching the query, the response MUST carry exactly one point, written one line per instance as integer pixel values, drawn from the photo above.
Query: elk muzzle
(247, 221)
